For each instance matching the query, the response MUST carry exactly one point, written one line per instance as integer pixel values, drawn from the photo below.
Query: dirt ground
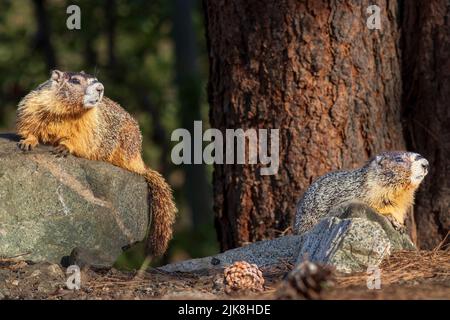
(405, 275)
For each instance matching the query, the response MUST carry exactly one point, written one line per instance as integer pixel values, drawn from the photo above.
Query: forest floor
(404, 275)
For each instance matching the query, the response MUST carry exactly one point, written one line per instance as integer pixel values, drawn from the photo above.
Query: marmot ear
(378, 160)
(57, 75)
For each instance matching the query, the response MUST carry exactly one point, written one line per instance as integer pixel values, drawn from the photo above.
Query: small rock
(354, 239)
(88, 258)
(398, 240)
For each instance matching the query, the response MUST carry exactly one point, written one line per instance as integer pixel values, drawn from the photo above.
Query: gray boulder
(398, 240)
(50, 205)
(265, 254)
(348, 245)
(353, 239)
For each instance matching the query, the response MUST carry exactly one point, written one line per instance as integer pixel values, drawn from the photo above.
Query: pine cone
(242, 275)
(306, 281)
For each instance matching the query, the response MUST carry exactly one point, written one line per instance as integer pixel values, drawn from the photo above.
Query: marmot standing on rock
(70, 112)
(387, 184)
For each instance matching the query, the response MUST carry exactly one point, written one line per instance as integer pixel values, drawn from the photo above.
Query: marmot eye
(74, 81)
(399, 159)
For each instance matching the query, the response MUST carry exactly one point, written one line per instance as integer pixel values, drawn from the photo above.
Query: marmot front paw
(26, 145)
(397, 225)
(61, 151)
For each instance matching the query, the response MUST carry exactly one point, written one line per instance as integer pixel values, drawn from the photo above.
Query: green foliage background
(141, 77)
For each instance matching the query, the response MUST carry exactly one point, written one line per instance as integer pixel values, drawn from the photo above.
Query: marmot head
(399, 169)
(78, 91)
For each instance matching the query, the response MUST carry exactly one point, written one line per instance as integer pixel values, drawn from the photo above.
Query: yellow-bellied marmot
(387, 184)
(70, 112)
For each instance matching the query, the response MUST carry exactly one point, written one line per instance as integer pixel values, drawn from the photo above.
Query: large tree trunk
(426, 70)
(315, 71)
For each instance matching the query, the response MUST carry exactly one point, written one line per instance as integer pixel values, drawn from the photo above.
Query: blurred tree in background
(151, 57)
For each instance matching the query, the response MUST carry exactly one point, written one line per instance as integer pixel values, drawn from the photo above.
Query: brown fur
(54, 114)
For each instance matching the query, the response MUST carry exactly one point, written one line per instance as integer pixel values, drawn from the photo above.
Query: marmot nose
(99, 87)
(425, 164)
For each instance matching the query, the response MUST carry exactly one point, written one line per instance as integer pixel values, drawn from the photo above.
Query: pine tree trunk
(426, 70)
(315, 71)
